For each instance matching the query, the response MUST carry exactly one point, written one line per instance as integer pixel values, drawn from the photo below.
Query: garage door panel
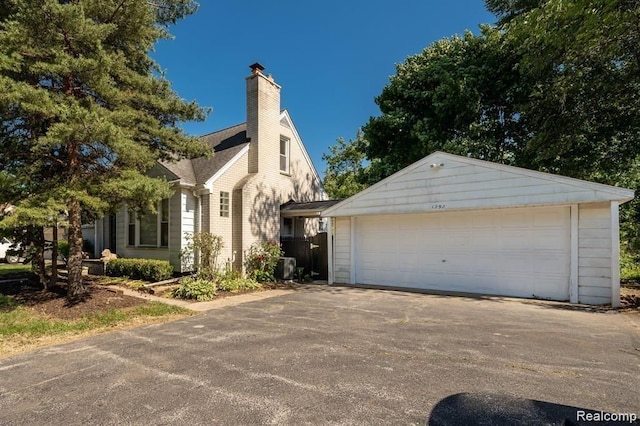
(518, 252)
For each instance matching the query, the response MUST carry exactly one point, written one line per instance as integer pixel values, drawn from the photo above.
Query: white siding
(520, 252)
(594, 254)
(342, 252)
(176, 234)
(465, 184)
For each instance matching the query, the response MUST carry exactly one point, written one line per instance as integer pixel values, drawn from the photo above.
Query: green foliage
(63, 248)
(553, 87)
(201, 252)
(261, 260)
(460, 94)
(85, 112)
(140, 269)
(6, 269)
(21, 321)
(583, 108)
(629, 267)
(345, 170)
(196, 288)
(234, 285)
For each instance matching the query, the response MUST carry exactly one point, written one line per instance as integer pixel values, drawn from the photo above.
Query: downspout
(197, 224)
(198, 221)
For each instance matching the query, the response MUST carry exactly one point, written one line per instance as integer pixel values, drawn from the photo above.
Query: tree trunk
(76, 286)
(54, 257)
(38, 257)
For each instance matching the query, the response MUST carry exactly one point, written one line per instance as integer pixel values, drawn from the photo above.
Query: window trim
(292, 229)
(286, 155)
(225, 201)
(159, 226)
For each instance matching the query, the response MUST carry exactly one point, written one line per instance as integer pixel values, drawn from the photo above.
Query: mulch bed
(55, 304)
(630, 295)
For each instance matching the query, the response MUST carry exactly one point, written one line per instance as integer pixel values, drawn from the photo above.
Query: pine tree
(85, 111)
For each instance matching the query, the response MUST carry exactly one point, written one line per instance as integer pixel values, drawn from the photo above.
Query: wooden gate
(310, 254)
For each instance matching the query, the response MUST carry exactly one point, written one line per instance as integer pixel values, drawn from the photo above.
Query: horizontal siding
(593, 300)
(121, 234)
(594, 281)
(458, 185)
(427, 203)
(594, 254)
(342, 267)
(595, 262)
(588, 291)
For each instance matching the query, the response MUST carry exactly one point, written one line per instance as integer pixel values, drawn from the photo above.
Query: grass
(6, 268)
(23, 329)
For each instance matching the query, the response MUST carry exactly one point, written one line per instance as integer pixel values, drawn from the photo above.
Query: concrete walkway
(205, 306)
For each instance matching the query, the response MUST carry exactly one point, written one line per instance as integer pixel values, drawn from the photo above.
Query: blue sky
(332, 58)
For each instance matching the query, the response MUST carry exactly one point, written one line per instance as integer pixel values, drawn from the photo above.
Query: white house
(458, 224)
(258, 166)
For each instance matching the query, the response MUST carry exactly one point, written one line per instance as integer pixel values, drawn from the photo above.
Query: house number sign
(437, 206)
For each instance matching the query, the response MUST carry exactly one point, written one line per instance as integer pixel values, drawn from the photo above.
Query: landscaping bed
(55, 304)
(630, 295)
(31, 318)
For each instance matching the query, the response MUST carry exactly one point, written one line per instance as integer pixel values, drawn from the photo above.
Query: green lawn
(23, 328)
(6, 268)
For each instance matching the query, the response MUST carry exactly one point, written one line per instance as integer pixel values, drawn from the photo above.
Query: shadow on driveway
(468, 409)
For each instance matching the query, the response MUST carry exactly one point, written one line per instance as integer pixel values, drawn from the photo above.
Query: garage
(456, 224)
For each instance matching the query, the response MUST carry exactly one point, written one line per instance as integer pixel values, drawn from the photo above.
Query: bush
(201, 252)
(63, 248)
(198, 289)
(236, 284)
(261, 260)
(629, 267)
(140, 269)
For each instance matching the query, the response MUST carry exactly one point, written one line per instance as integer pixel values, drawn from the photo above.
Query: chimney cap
(256, 67)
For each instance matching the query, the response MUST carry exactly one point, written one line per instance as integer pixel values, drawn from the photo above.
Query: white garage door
(522, 252)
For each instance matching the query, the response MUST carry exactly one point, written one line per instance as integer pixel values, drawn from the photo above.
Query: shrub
(261, 260)
(201, 253)
(629, 267)
(63, 248)
(140, 269)
(194, 288)
(236, 284)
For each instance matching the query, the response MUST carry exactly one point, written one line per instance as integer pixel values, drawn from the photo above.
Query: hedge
(140, 269)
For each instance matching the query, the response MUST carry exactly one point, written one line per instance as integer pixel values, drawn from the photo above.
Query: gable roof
(442, 181)
(226, 144)
(182, 169)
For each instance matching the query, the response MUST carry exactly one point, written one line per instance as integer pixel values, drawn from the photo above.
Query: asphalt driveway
(338, 356)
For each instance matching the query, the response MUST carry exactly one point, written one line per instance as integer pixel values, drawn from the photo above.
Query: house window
(284, 154)
(164, 223)
(287, 227)
(131, 228)
(149, 229)
(224, 204)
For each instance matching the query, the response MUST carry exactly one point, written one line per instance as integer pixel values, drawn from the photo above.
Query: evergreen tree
(85, 111)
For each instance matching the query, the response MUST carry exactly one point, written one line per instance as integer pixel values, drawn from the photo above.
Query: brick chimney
(263, 121)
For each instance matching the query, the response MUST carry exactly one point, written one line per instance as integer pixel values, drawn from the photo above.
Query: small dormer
(268, 152)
